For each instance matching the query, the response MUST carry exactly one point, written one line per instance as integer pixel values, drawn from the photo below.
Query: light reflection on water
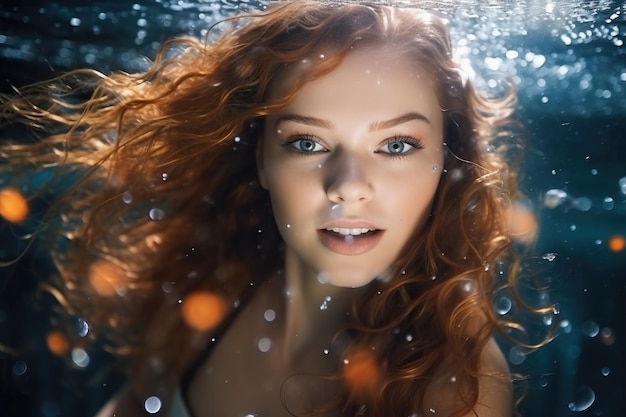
(567, 60)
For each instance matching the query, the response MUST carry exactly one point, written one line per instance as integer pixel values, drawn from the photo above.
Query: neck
(315, 312)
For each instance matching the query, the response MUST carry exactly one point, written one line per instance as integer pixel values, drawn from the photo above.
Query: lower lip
(350, 245)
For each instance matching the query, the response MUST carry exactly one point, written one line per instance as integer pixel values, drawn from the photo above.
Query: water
(568, 61)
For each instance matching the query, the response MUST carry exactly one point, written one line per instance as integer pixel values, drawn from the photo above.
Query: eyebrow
(307, 120)
(385, 124)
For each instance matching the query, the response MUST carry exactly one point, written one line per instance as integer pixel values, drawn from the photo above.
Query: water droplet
(127, 197)
(554, 198)
(548, 319)
(237, 139)
(19, 368)
(82, 327)
(325, 351)
(80, 357)
(152, 405)
(324, 305)
(566, 326)
(156, 214)
(435, 168)
(269, 315)
(164, 176)
(543, 381)
(503, 305)
(264, 344)
(583, 399)
(622, 185)
(409, 337)
(590, 328)
(549, 256)
(75, 21)
(608, 203)
(605, 371)
(322, 277)
(582, 203)
(572, 227)
(288, 226)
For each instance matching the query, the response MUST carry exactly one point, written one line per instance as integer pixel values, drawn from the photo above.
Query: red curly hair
(165, 192)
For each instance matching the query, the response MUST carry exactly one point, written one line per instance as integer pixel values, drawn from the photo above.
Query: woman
(298, 218)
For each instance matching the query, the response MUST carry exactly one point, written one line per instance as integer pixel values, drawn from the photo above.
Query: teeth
(349, 232)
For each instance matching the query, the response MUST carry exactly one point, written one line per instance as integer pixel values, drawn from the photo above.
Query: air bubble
(608, 203)
(590, 328)
(80, 357)
(82, 327)
(75, 21)
(156, 214)
(554, 198)
(549, 256)
(264, 344)
(566, 326)
(152, 405)
(19, 368)
(269, 315)
(582, 203)
(605, 371)
(503, 305)
(127, 197)
(583, 399)
(322, 277)
(516, 355)
(622, 185)
(324, 305)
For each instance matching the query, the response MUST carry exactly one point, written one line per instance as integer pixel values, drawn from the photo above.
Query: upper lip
(350, 224)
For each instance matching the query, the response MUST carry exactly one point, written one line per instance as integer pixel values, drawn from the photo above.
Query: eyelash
(416, 144)
(289, 143)
(409, 140)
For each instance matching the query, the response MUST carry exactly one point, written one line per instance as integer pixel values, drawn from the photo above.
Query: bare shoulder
(495, 396)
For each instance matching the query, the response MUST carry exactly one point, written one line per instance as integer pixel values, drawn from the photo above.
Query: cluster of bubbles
(555, 198)
(575, 73)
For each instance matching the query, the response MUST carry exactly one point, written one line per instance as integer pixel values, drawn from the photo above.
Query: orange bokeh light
(13, 205)
(361, 371)
(203, 310)
(106, 278)
(617, 243)
(521, 223)
(57, 343)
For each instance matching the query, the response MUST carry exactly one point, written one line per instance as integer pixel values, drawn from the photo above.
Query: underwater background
(568, 60)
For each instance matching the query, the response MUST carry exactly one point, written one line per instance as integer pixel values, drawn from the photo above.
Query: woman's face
(352, 165)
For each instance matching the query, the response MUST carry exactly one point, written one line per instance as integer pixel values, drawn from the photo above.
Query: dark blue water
(568, 60)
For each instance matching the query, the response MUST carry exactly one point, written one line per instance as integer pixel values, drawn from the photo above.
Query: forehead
(377, 81)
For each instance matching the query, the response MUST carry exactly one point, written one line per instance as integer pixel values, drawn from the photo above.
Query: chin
(351, 280)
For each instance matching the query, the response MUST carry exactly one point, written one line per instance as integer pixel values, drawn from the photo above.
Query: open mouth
(351, 232)
(350, 241)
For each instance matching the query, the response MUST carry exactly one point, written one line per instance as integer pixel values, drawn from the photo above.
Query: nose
(346, 179)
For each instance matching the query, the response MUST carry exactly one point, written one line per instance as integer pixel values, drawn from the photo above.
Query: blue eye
(305, 145)
(400, 146)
